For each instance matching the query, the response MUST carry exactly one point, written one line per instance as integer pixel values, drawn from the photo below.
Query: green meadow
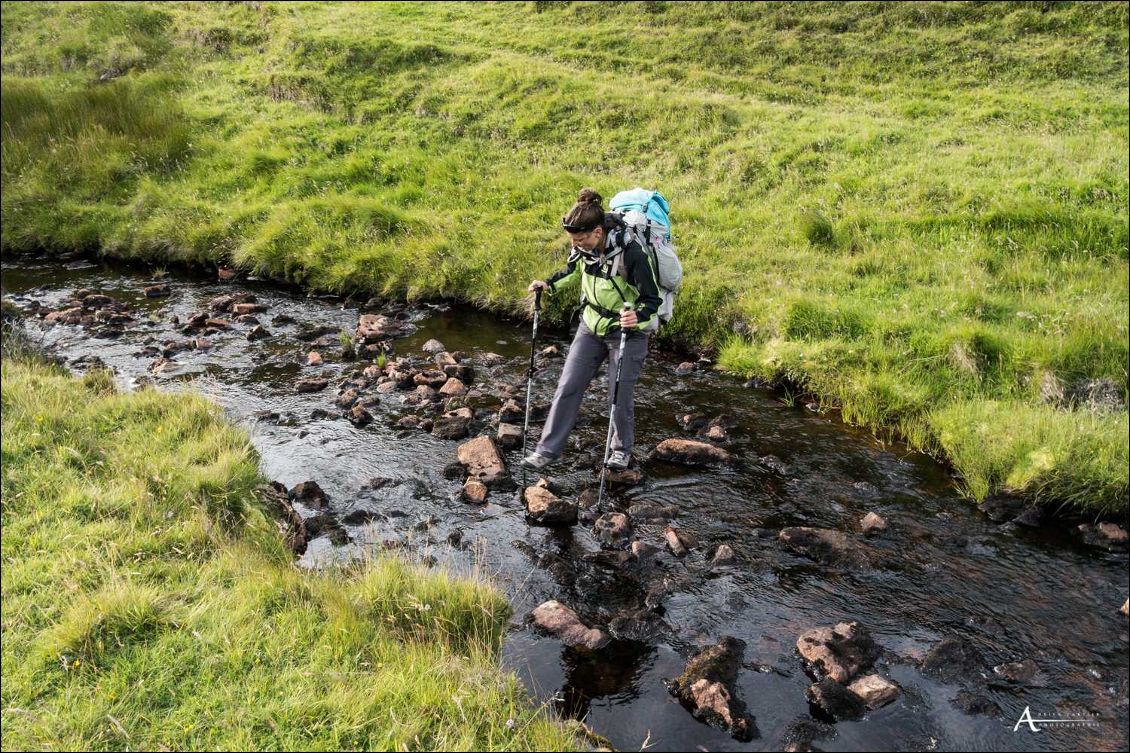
(151, 604)
(915, 212)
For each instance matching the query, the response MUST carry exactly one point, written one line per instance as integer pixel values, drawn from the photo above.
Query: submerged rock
(953, 659)
(836, 700)
(723, 555)
(679, 542)
(309, 494)
(613, 529)
(839, 652)
(706, 687)
(691, 452)
(559, 620)
(825, 546)
(313, 384)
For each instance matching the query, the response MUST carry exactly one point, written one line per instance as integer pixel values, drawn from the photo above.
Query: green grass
(149, 602)
(910, 210)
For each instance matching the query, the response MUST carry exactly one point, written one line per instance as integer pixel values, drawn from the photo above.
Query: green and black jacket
(622, 274)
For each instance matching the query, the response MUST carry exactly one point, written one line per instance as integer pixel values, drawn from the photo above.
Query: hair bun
(589, 196)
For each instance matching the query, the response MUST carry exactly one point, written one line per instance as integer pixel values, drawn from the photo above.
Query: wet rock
(643, 551)
(158, 291)
(460, 371)
(686, 367)
(874, 690)
(492, 359)
(433, 346)
(1001, 508)
(325, 524)
(509, 436)
(218, 324)
(587, 498)
(313, 384)
(309, 494)
(706, 688)
(836, 700)
(225, 274)
(247, 319)
(64, 316)
(775, 464)
(314, 332)
(426, 425)
(546, 508)
(975, 702)
(445, 359)
(347, 398)
(640, 625)
(695, 422)
(623, 478)
(613, 529)
(952, 659)
(474, 491)
(280, 319)
(802, 732)
(94, 301)
(1017, 672)
(372, 328)
(453, 471)
(386, 388)
(369, 401)
(723, 556)
(453, 388)
(550, 351)
(679, 542)
(872, 524)
(717, 434)
(313, 358)
(243, 309)
(561, 621)
(454, 424)
(433, 379)
(652, 511)
(691, 452)
(359, 417)
(825, 546)
(274, 495)
(163, 366)
(319, 413)
(1110, 536)
(840, 652)
(482, 460)
(511, 413)
(224, 303)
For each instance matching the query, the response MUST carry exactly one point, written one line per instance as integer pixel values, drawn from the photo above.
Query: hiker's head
(585, 221)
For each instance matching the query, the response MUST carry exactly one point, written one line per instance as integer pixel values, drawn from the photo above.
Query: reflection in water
(941, 569)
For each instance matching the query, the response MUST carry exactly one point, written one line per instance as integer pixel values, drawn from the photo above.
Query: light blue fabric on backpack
(650, 203)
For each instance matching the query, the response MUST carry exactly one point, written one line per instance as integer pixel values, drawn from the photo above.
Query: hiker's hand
(628, 319)
(537, 285)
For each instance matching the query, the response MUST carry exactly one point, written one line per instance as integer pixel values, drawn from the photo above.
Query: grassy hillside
(917, 212)
(149, 604)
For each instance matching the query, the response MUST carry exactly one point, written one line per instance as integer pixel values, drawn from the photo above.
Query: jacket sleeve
(641, 276)
(571, 270)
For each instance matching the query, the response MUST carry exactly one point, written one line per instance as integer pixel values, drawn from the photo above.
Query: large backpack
(647, 215)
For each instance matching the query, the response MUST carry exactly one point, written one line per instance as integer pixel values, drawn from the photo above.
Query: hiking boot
(537, 461)
(619, 460)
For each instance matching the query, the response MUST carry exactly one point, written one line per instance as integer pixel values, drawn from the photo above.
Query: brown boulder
(482, 460)
(874, 690)
(706, 687)
(561, 621)
(546, 508)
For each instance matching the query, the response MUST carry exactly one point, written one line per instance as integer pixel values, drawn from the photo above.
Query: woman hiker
(613, 270)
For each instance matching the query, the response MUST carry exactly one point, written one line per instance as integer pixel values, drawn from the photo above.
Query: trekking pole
(529, 388)
(612, 410)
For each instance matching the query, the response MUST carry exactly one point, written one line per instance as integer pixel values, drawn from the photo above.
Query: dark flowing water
(1015, 592)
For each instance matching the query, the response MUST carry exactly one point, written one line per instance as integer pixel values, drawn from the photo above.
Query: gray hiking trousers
(586, 354)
